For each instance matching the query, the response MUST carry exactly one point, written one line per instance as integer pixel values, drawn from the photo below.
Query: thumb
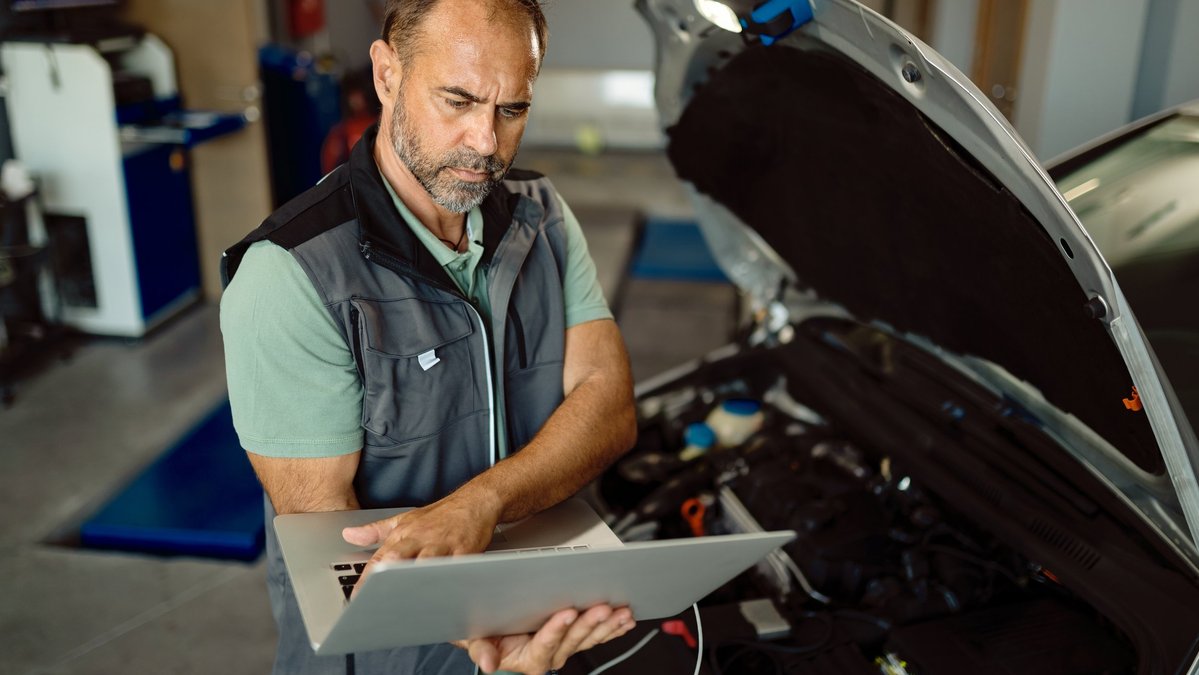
(484, 654)
(369, 534)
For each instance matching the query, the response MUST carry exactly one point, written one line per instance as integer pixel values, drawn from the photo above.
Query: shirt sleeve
(584, 298)
(293, 384)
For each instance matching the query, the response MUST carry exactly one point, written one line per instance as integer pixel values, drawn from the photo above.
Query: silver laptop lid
(311, 544)
(435, 600)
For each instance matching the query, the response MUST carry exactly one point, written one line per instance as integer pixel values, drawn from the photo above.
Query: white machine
(100, 126)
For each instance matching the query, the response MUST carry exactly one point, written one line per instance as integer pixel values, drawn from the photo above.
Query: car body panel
(692, 52)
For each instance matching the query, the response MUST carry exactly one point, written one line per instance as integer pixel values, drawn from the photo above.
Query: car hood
(850, 160)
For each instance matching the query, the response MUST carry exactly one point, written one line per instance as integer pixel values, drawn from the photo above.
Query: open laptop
(563, 557)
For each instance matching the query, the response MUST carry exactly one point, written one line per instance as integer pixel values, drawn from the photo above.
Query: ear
(385, 71)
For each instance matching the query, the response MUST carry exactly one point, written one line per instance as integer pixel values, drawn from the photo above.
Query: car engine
(885, 575)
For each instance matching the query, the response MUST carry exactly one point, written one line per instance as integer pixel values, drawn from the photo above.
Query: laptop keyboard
(348, 573)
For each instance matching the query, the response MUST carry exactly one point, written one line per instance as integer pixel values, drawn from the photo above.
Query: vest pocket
(418, 365)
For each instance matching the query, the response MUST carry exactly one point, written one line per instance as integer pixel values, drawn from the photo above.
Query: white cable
(699, 656)
(803, 581)
(620, 659)
(642, 532)
(624, 523)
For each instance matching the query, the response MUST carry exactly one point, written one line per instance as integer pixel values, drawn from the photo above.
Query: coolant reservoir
(735, 420)
(699, 439)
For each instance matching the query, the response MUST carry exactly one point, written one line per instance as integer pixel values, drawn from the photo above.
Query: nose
(481, 135)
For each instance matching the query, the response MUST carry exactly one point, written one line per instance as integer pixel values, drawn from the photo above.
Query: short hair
(402, 19)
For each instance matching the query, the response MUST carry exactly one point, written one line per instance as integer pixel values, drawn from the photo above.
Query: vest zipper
(491, 432)
(369, 252)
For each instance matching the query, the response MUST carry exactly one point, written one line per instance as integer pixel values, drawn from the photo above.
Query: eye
(457, 104)
(511, 113)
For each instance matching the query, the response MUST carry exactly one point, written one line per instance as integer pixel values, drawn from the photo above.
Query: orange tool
(1134, 403)
(693, 512)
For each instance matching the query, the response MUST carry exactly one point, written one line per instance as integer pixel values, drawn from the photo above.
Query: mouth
(469, 175)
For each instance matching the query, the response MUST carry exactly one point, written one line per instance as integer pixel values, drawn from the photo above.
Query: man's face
(460, 109)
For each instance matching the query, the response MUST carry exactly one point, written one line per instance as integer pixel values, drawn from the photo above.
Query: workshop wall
(603, 35)
(596, 86)
(1169, 72)
(583, 34)
(352, 28)
(1081, 61)
(230, 179)
(953, 31)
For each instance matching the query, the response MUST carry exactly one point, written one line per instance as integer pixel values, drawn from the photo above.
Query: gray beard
(451, 193)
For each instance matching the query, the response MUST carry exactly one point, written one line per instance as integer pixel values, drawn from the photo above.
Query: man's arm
(301, 485)
(595, 424)
(293, 384)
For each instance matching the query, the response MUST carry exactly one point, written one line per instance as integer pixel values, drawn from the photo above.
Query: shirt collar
(443, 254)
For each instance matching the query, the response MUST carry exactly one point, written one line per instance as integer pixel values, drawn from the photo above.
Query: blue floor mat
(675, 250)
(200, 498)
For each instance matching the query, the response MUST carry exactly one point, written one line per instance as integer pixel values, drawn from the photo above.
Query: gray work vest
(427, 430)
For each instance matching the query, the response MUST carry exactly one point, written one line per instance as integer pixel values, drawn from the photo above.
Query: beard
(450, 192)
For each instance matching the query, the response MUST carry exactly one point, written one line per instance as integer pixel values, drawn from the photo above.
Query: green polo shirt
(293, 384)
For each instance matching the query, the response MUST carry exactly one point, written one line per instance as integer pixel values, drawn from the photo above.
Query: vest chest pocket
(418, 366)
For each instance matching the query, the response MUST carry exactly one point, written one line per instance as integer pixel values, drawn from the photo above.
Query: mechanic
(393, 331)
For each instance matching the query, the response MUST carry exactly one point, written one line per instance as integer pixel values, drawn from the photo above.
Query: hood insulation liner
(877, 209)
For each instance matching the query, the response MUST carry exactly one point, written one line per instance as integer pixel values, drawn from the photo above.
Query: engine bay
(888, 574)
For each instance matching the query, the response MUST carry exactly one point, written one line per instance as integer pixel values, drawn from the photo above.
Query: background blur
(113, 429)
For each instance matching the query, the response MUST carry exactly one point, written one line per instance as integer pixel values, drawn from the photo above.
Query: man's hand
(565, 634)
(456, 525)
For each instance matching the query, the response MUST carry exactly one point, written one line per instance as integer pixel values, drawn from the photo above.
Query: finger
(409, 547)
(371, 533)
(623, 630)
(586, 624)
(484, 654)
(434, 551)
(619, 623)
(538, 654)
(383, 554)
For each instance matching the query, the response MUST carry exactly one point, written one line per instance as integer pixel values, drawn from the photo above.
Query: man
(393, 333)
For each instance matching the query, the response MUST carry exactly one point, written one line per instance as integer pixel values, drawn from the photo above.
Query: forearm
(593, 426)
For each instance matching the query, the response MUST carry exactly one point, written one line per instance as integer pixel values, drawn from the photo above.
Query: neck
(445, 225)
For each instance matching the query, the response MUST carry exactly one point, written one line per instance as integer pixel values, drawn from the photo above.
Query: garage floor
(83, 427)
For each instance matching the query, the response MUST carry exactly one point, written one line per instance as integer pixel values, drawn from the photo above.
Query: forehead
(481, 46)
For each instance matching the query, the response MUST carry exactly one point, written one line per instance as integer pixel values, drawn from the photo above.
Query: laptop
(563, 557)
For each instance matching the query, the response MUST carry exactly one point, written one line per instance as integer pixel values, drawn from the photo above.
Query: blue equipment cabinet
(100, 126)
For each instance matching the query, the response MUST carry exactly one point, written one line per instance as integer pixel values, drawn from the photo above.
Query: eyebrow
(462, 93)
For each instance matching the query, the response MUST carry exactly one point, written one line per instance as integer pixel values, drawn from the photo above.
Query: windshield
(1139, 202)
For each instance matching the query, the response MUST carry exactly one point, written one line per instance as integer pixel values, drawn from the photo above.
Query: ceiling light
(720, 14)
(770, 20)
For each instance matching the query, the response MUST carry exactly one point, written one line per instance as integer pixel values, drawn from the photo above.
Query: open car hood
(850, 161)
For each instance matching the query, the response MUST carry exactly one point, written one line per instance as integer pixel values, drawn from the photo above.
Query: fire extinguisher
(306, 17)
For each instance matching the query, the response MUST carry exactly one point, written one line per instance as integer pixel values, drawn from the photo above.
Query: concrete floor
(83, 427)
